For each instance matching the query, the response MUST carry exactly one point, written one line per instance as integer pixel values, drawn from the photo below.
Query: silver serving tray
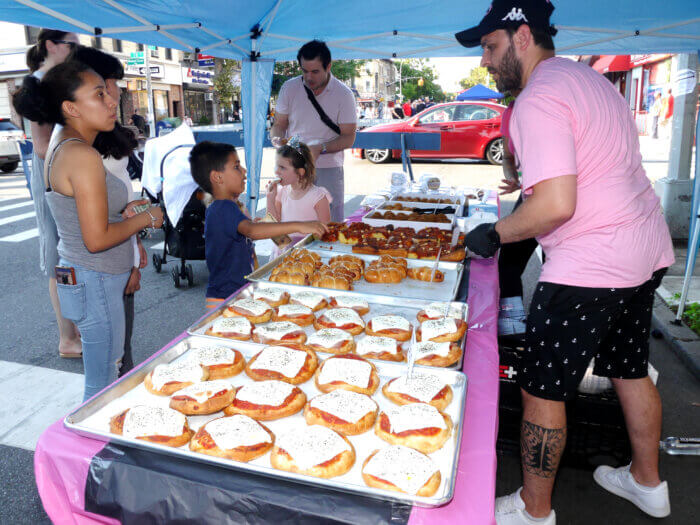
(339, 248)
(379, 305)
(92, 420)
(408, 288)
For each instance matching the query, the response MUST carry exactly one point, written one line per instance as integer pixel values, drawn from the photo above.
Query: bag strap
(324, 118)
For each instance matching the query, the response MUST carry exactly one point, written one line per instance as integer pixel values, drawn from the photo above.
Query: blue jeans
(96, 305)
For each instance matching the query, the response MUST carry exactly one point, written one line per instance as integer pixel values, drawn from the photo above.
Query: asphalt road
(29, 337)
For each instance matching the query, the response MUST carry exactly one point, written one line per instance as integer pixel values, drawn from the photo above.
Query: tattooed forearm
(541, 448)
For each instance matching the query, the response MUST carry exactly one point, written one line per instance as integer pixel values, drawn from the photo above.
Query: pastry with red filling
(253, 310)
(279, 332)
(347, 372)
(238, 437)
(393, 326)
(419, 426)
(346, 412)
(203, 398)
(291, 365)
(163, 426)
(267, 400)
(342, 318)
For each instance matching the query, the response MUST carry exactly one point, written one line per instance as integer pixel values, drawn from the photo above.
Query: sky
(451, 70)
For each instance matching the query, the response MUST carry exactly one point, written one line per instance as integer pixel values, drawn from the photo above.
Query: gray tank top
(115, 260)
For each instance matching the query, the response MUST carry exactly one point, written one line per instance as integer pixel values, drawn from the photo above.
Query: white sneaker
(510, 510)
(652, 500)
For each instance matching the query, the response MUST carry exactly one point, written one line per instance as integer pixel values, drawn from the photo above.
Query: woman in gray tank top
(86, 204)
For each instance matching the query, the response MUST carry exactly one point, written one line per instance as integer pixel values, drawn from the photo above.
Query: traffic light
(421, 82)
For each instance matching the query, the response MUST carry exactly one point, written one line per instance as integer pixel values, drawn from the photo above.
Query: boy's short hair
(206, 157)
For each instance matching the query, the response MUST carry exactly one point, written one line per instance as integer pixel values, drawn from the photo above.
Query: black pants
(512, 261)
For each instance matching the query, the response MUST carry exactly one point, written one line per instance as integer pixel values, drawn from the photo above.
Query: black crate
(596, 433)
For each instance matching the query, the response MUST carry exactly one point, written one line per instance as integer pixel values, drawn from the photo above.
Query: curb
(683, 341)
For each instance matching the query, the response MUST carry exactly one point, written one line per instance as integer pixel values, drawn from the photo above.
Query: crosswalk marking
(21, 236)
(39, 397)
(15, 218)
(15, 206)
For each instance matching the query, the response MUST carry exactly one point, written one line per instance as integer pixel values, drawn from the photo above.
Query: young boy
(217, 170)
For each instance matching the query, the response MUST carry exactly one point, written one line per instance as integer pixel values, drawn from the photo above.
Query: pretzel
(424, 273)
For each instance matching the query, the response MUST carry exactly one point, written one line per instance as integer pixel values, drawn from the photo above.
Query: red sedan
(467, 130)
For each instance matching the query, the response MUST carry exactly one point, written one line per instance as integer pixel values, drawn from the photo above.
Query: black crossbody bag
(324, 118)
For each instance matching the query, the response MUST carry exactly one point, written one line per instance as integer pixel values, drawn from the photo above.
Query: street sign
(136, 54)
(135, 61)
(206, 63)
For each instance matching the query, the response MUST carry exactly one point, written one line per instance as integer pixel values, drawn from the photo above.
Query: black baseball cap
(504, 14)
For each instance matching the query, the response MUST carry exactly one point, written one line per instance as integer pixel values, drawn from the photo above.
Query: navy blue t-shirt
(228, 252)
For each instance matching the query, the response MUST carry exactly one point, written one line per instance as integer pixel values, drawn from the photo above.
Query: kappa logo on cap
(515, 15)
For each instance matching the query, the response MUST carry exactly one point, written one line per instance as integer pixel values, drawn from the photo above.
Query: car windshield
(6, 125)
(474, 112)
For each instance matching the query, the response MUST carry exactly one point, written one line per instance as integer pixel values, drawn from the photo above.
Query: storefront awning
(610, 63)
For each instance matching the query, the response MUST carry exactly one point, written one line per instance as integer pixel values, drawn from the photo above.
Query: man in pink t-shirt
(590, 205)
(327, 136)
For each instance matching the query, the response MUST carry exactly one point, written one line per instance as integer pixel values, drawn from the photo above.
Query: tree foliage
(342, 70)
(478, 75)
(411, 71)
(224, 90)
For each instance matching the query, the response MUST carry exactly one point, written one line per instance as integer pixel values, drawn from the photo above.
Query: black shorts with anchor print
(569, 325)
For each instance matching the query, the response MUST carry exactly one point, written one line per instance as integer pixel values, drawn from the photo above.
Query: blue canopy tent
(478, 92)
(260, 32)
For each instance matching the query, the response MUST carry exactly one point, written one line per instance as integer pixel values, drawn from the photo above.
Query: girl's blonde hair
(300, 156)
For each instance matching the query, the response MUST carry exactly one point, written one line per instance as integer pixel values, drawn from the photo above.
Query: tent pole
(244, 51)
(270, 18)
(424, 50)
(628, 34)
(57, 15)
(152, 27)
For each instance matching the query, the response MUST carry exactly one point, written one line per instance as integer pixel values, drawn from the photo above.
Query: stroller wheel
(190, 275)
(176, 277)
(157, 262)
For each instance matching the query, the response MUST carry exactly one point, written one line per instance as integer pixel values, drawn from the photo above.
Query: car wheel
(377, 156)
(10, 167)
(494, 151)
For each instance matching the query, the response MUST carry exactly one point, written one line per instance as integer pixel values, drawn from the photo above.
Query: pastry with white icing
(380, 347)
(342, 318)
(279, 332)
(346, 412)
(440, 310)
(430, 353)
(402, 469)
(166, 379)
(267, 400)
(237, 437)
(163, 426)
(294, 313)
(203, 398)
(446, 329)
(347, 372)
(313, 300)
(418, 425)
(331, 340)
(313, 450)
(360, 305)
(272, 296)
(393, 326)
(255, 311)
(421, 388)
(238, 328)
(291, 365)
(220, 361)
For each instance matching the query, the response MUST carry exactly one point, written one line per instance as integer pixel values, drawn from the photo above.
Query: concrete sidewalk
(684, 342)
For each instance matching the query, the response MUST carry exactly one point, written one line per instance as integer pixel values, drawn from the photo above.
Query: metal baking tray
(92, 420)
(454, 198)
(408, 288)
(458, 208)
(416, 225)
(379, 305)
(339, 248)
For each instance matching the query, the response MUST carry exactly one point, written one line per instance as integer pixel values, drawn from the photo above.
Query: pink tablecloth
(62, 459)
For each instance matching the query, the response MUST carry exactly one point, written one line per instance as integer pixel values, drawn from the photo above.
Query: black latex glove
(483, 240)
